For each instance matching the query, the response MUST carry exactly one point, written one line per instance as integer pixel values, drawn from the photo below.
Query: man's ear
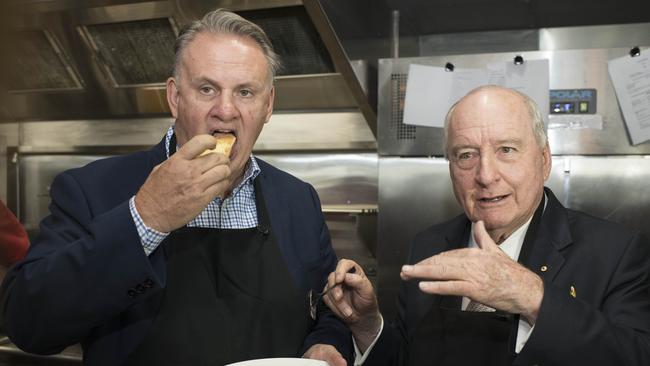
(547, 163)
(172, 96)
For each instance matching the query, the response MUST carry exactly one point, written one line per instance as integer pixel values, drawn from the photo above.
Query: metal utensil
(314, 297)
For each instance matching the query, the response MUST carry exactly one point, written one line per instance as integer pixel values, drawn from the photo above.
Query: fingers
(215, 176)
(345, 266)
(335, 299)
(451, 265)
(196, 145)
(453, 288)
(482, 237)
(327, 353)
(209, 161)
(341, 308)
(350, 294)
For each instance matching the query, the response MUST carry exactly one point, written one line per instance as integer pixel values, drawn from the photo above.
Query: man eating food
(165, 257)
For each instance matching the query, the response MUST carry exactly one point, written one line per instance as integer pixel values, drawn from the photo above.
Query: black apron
(447, 336)
(229, 298)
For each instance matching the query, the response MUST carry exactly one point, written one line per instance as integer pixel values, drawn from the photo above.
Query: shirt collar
(252, 168)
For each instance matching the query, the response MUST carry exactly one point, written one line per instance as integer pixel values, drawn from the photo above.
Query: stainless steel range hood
(101, 59)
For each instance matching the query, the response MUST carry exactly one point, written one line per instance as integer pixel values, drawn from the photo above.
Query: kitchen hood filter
(37, 64)
(134, 53)
(294, 38)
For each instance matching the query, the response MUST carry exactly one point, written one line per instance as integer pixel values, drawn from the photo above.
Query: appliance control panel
(573, 101)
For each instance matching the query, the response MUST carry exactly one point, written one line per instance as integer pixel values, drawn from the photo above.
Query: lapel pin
(544, 269)
(572, 291)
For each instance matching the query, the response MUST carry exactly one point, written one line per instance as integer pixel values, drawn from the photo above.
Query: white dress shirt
(512, 247)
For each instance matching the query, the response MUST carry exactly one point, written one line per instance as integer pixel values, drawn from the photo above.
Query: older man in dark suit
(171, 257)
(517, 279)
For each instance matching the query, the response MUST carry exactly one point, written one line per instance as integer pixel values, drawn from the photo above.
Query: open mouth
(221, 133)
(492, 199)
(217, 133)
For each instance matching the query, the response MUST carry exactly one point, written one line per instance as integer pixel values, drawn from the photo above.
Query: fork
(314, 297)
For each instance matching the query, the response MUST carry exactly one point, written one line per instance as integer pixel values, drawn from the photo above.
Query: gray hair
(222, 21)
(539, 129)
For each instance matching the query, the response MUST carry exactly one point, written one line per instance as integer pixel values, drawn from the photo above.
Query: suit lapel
(457, 237)
(275, 205)
(278, 211)
(553, 235)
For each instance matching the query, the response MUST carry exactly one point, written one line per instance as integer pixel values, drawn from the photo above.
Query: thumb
(482, 238)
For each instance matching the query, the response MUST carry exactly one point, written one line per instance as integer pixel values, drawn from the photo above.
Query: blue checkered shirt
(237, 211)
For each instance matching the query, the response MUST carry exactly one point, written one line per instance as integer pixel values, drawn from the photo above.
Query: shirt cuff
(359, 358)
(149, 238)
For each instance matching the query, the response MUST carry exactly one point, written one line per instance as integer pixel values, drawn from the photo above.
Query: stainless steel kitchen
(86, 80)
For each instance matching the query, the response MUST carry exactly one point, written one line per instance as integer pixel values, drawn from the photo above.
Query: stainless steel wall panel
(601, 36)
(613, 187)
(413, 194)
(479, 42)
(8, 137)
(569, 69)
(35, 177)
(343, 130)
(68, 135)
(340, 179)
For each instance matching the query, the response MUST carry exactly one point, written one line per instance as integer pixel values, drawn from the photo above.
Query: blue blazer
(608, 266)
(73, 285)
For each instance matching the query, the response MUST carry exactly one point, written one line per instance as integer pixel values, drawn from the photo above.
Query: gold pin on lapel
(544, 269)
(572, 291)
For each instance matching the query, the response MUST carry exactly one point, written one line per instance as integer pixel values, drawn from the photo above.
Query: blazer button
(131, 293)
(139, 289)
(148, 283)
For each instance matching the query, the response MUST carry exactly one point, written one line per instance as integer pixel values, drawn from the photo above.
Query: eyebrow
(515, 141)
(205, 79)
(461, 147)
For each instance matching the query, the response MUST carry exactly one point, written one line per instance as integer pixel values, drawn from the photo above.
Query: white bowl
(280, 362)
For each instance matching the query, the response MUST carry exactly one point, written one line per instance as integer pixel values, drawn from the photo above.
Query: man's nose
(224, 107)
(488, 170)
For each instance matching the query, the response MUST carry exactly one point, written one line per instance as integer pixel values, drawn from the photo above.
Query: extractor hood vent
(38, 64)
(123, 51)
(135, 53)
(294, 38)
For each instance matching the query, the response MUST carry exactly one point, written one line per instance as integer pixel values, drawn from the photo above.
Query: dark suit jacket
(607, 323)
(73, 285)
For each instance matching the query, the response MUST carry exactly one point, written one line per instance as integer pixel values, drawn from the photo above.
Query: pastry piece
(224, 145)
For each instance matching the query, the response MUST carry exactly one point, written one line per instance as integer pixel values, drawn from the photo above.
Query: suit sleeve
(392, 346)
(82, 270)
(328, 328)
(570, 331)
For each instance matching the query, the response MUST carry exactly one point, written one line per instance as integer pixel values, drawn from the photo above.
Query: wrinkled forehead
(491, 109)
(226, 49)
